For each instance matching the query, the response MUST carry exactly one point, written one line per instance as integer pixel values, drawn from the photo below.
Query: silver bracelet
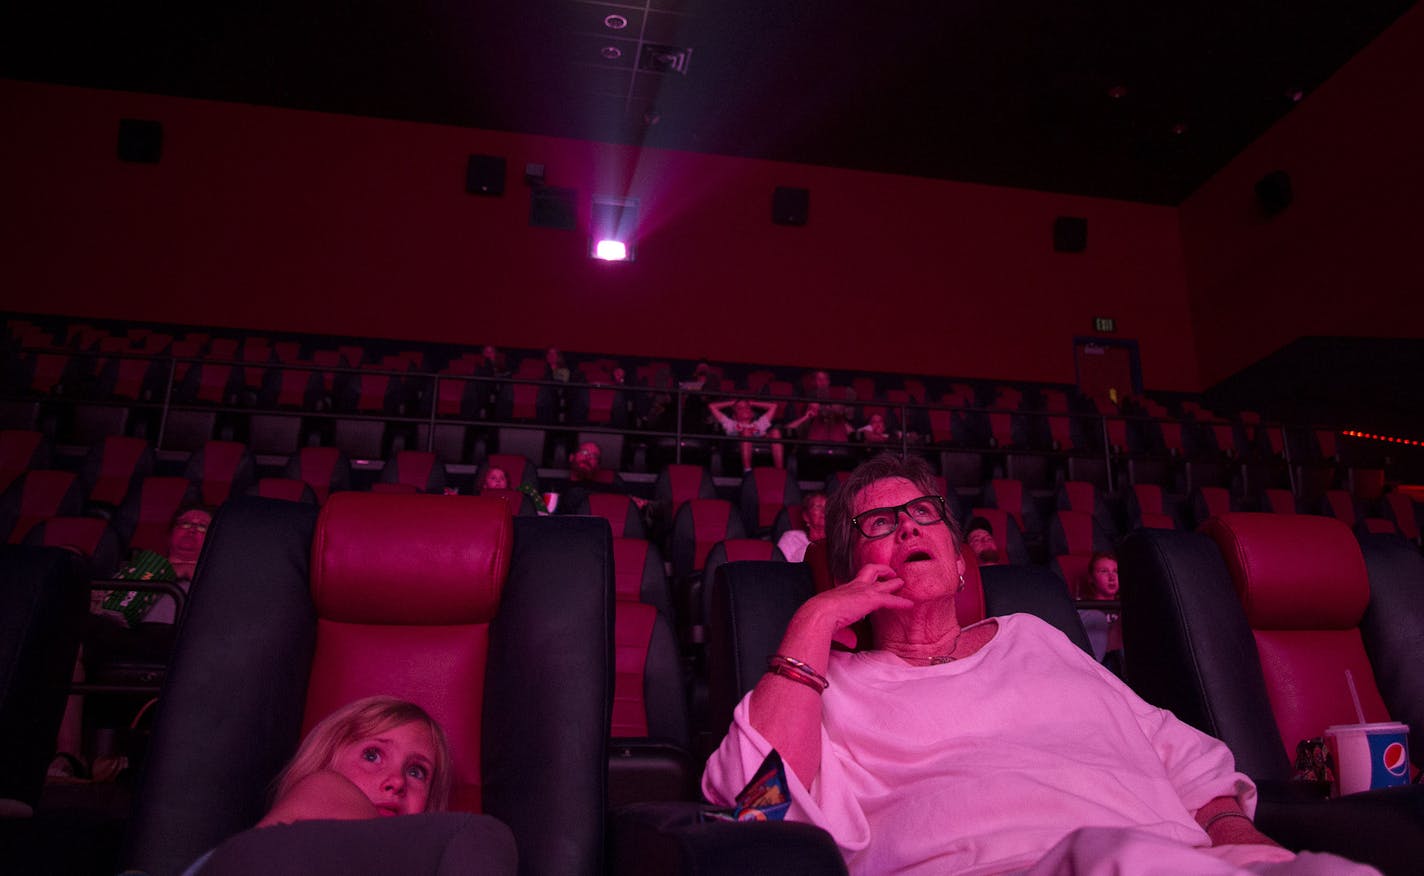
(1220, 815)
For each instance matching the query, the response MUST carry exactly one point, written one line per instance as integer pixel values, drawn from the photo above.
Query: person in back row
(980, 540)
(746, 423)
(793, 542)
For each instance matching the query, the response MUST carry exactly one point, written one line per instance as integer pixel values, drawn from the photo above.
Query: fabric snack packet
(133, 605)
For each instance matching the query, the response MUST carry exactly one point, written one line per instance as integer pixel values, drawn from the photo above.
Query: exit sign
(1104, 324)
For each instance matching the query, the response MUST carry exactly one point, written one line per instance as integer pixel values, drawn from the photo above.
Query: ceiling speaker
(790, 206)
(140, 140)
(1070, 234)
(484, 175)
(1273, 192)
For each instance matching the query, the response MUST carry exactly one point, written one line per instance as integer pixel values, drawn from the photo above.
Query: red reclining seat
(222, 469)
(325, 469)
(20, 451)
(36, 496)
(115, 467)
(764, 492)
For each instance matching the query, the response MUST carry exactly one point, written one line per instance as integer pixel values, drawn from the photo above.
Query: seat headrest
(1293, 572)
(410, 559)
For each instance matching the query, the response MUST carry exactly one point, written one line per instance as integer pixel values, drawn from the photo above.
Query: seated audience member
(702, 378)
(185, 544)
(823, 422)
(134, 624)
(554, 366)
(793, 542)
(980, 540)
(874, 431)
(749, 419)
(587, 475)
(494, 364)
(375, 758)
(942, 749)
(495, 478)
(1104, 627)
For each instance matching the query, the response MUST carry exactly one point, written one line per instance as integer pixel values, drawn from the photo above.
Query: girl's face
(1105, 578)
(496, 479)
(394, 768)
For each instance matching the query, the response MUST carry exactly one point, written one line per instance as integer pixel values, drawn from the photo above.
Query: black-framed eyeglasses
(880, 522)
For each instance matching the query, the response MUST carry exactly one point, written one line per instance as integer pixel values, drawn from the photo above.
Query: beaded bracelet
(1220, 815)
(796, 670)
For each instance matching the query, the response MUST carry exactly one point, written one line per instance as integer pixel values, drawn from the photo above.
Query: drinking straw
(1354, 695)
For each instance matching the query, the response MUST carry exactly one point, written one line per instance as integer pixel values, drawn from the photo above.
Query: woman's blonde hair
(359, 720)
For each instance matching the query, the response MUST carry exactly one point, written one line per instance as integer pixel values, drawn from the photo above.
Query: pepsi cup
(1368, 756)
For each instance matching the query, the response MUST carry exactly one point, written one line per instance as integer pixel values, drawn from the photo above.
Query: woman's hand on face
(872, 589)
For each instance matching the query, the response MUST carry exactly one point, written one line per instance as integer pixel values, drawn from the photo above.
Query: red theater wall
(1343, 258)
(287, 220)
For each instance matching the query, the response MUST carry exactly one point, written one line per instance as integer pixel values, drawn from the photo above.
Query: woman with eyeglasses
(985, 748)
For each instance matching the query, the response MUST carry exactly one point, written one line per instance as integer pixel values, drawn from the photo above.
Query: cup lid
(1379, 725)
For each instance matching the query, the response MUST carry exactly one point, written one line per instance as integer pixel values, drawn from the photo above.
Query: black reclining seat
(752, 604)
(44, 596)
(233, 702)
(1189, 649)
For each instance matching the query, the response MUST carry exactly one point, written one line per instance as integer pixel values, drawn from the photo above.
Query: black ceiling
(1017, 94)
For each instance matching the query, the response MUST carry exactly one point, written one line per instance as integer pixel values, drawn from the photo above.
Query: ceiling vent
(664, 59)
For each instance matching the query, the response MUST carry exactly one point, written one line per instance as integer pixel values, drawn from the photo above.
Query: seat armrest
(661, 838)
(1383, 828)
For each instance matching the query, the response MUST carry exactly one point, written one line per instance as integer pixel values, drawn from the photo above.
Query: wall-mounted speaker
(484, 175)
(552, 207)
(140, 140)
(1273, 192)
(1070, 234)
(790, 206)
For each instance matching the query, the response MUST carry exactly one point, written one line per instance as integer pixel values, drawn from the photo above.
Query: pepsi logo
(1395, 760)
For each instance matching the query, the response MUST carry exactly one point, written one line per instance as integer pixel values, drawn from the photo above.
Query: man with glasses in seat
(989, 748)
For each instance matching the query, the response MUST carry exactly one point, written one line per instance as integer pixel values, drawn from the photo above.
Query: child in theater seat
(378, 756)
(374, 758)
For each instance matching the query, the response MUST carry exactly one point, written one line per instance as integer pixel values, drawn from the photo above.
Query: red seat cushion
(159, 500)
(686, 483)
(1074, 569)
(1077, 531)
(633, 631)
(317, 465)
(220, 462)
(770, 493)
(1217, 499)
(1304, 589)
(709, 523)
(405, 588)
(1157, 521)
(289, 489)
(630, 555)
(1081, 495)
(1341, 505)
(1149, 498)
(42, 496)
(612, 507)
(116, 468)
(80, 533)
(17, 449)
